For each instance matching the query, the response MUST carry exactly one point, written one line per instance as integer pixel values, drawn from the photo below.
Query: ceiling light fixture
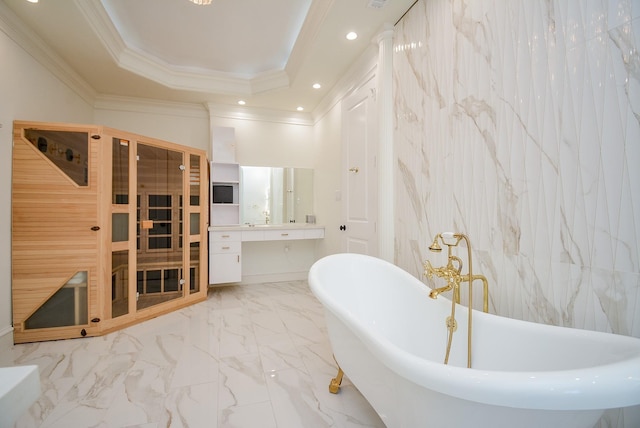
(300, 108)
(351, 36)
(241, 102)
(317, 86)
(32, 1)
(201, 2)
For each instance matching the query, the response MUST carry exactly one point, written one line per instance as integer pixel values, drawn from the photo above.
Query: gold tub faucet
(452, 273)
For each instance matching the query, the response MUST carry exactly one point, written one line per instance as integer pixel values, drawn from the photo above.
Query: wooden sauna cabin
(108, 229)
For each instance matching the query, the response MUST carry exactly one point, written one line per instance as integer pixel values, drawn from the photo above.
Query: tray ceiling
(267, 53)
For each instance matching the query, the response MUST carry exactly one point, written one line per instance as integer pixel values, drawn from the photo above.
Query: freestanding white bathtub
(389, 338)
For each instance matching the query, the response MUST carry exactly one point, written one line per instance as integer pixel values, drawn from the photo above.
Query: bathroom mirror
(272, 195)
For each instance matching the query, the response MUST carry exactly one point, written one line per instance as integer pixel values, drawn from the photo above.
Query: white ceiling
(266, 52)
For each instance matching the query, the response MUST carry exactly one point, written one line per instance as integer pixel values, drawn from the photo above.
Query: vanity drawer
(225, 247)
(252, 235)
(314, 233)
(225, 236)
(283, 234)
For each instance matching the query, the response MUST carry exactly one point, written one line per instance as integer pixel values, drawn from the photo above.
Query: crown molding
(259, 114)
(16, 30)
(201, 111)
(269, 80)
(143, 105)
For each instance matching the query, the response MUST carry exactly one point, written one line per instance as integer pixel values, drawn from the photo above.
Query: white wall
(185, 124)
(261, 141)
(27, 92)
(327, 176)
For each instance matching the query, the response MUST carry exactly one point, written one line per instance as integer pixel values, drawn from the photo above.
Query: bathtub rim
(544, 390)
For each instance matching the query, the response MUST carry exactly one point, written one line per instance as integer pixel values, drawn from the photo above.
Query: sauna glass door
(160, 236)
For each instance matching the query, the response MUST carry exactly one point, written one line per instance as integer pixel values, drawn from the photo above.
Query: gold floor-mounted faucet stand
(452, 273)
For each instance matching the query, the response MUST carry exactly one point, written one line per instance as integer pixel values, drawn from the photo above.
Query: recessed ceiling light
(317, 86)
(32, 1)
(242, 102)
(351, 36)
(300, 108)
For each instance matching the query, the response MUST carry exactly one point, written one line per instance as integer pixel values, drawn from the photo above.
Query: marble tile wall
(518, 123)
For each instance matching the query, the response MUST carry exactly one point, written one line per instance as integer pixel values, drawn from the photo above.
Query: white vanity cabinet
(226, 245)
(225, 263)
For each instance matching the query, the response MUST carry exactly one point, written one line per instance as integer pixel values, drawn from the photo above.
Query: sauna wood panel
(51, 234)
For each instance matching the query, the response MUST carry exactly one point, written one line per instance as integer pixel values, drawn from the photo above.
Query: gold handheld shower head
(435, 247)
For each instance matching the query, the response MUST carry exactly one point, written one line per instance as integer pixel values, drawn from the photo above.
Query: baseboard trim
(274, 277)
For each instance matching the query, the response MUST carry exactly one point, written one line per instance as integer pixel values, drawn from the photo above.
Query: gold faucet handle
(440, 272)
(428, 269)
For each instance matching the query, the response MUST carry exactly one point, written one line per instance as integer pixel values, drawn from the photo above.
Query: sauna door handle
(95, 228)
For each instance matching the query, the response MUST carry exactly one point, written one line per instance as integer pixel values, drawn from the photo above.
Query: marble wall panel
(518, 123)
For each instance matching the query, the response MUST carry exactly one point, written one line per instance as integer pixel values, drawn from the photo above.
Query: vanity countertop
(267, 232)
(248, 227)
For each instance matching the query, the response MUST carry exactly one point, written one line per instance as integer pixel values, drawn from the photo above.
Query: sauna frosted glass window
(194, 180)
(194, 223)
(68, 150)
(119, 283)
(194, 270)
(66, 307)
(120, 171)
(119, 227)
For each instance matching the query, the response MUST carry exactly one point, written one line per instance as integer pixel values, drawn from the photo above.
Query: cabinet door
(225, 267)
(55, 232)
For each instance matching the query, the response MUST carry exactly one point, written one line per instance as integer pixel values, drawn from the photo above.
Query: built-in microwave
(222, 194)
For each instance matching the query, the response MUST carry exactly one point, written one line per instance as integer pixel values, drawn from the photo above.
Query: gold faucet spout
(436, 291)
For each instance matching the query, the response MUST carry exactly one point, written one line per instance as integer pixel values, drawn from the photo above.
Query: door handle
(354, 169)
(343, 227)
(95, 228)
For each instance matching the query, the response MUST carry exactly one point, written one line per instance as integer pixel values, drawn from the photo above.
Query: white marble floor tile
(249, 356)
(242, 381)
(294, 401)
(250, 415)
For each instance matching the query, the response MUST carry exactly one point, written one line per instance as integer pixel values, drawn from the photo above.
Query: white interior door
(359, 175)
